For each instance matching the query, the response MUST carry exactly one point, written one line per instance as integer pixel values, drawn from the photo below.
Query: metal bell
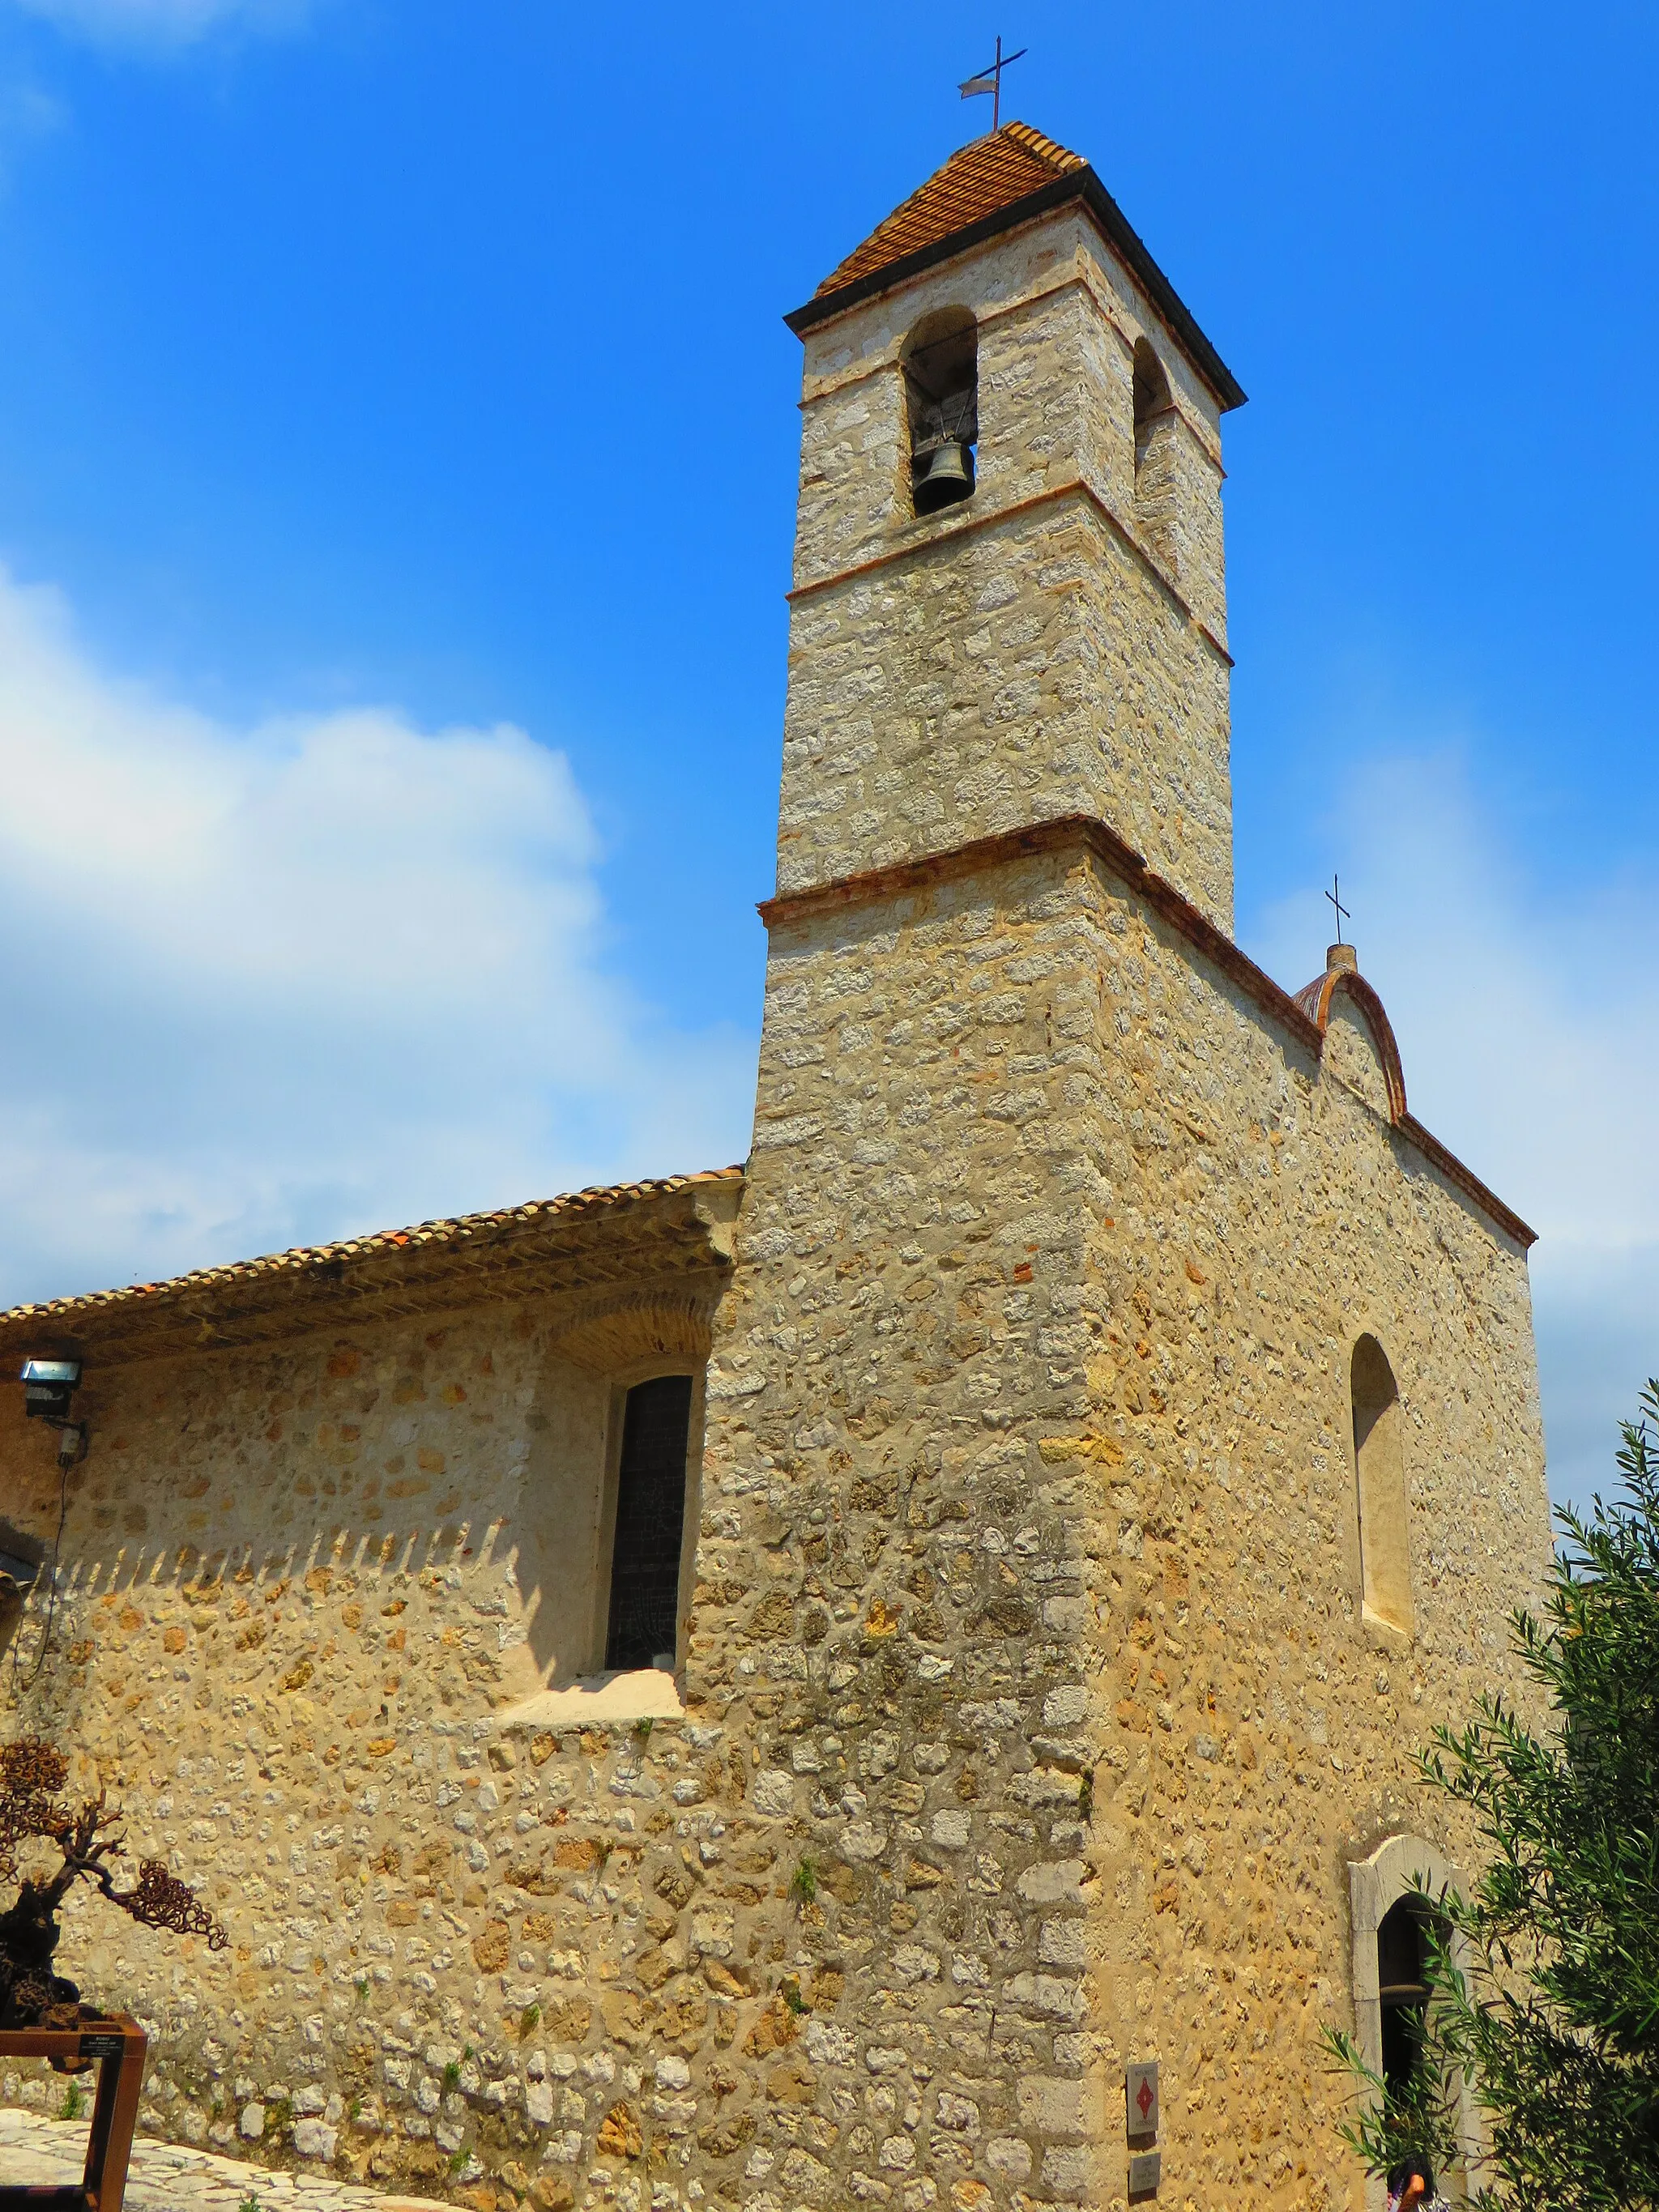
(946, 476)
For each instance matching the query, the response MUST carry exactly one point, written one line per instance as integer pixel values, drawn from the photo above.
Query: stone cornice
(1047, 497)
(1069, 833)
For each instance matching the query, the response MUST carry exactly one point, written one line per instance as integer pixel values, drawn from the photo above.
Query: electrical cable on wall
(72, 1447)
(48, 1386)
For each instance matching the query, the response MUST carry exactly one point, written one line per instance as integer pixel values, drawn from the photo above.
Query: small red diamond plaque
(1141, 2090)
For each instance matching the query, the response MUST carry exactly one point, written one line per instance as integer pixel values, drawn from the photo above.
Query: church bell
(948, 475)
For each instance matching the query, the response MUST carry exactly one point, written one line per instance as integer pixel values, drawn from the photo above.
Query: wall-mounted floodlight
(48, 1386)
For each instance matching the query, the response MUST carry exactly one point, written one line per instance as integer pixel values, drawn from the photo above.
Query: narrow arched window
(650, 1525)
(1380, 1479)
(1155, 427)
(1393, 1895)
(940, 363)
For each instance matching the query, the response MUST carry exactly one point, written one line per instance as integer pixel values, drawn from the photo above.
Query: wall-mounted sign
(1140, 2097)
(1145, 2171)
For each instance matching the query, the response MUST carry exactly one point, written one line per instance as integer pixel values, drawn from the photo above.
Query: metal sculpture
(87, 1837)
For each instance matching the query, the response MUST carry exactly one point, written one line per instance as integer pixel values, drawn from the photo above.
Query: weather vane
(990, 81)
(1334, 895)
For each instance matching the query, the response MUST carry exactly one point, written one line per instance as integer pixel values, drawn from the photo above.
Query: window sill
(647, 1694)
(1384, 1635)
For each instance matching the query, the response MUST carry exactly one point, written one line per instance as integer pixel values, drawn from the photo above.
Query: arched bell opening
(940, 363)
(1152, 401)
(1156, 420)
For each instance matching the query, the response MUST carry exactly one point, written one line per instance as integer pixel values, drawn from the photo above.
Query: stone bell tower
(1121, 1434)
(1055, 642)
(1008, 692)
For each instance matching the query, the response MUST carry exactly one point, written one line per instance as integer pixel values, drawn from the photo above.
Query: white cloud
(1528, 1015)
(27, 115)
(165, 22)
(271, 985)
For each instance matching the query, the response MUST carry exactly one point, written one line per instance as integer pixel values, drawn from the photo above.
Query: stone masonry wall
(1029, 1723)
(1026, 671)
(309, 1597)
(1058, 319)
(1004, 660)
(1029, 1550)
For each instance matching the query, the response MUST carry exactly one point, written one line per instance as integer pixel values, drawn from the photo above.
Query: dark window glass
(1403, 1990)
(645, 1561)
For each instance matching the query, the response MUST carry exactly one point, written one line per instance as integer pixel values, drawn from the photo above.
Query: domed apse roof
(1315, 1000)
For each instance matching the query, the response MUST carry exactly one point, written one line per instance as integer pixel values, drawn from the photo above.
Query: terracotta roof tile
(305, 1259)
(978, 180)
(984, 189)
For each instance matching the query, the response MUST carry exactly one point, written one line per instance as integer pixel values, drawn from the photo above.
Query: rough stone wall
(1028, 1723)
(1025, 671)
(309, 1598)
(1177, 506)
(1029, 1550)
(1258, 1733)
(1030, 1720)
(891, 1572)
(1003, 661)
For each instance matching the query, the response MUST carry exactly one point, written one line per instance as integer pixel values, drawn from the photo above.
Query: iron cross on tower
(990, 81)
(1334, 895)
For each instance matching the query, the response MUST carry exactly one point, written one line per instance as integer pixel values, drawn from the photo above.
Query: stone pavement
(168, 2178)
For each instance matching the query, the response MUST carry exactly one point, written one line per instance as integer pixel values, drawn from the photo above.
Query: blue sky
(397, 460)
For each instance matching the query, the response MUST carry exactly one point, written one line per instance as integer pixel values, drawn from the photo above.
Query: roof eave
(677, 1225)
(1076, 184)
(1063, 831)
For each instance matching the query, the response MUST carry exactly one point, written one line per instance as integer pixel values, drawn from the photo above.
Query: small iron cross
(990, 81)
(1334, 895)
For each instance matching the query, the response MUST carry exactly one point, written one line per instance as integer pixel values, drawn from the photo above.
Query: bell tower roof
(989, 186)
(982, 179)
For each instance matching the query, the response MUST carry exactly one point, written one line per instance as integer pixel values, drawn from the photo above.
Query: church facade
(888, 1675)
